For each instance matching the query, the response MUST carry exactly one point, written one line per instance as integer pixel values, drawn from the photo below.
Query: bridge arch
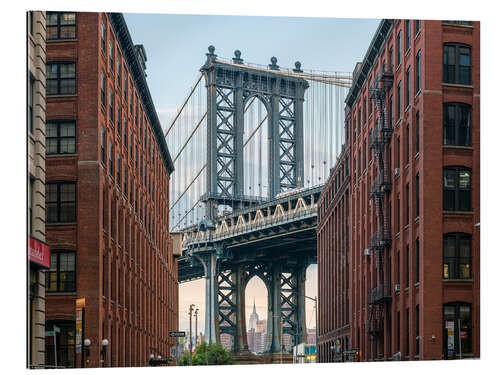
(258, 332)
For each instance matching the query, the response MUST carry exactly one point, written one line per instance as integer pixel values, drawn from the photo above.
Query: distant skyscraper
(254, 318)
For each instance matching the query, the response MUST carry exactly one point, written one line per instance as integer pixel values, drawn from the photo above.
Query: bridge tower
(230, 87)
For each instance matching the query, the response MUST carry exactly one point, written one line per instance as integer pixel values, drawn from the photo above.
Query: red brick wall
(431, 292)
(141, 256)
(333, 251)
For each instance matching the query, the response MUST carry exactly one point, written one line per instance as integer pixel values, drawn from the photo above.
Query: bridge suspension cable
(186, 135)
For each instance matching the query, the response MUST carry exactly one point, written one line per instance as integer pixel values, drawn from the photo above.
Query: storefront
(39, 261)
(457, 330)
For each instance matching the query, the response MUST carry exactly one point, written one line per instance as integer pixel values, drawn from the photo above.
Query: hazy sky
(176, 46)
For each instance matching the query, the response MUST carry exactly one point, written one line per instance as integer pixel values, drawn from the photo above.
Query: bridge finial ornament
(297, 67)
(237, 57)
(273, 65)
(211, 56)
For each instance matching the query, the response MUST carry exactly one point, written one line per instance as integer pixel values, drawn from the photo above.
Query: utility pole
(191, 307)
(195, 328)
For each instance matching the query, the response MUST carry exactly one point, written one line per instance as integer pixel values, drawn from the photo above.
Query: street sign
(177, 334)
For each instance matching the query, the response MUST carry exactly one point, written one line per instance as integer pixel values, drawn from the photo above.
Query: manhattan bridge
(252, 147)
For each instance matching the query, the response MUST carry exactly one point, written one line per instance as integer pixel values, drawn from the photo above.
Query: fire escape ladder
(380, 295)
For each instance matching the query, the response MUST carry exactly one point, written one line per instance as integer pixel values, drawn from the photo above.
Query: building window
(110, 159)
(408, 86)
(407, 341)
(31, 89)
(457, 64)
(407, 144)
(417, 80)
(61, 25)
(391, 53)
(407, 204)
(407, 271)
(103, 146)
(111, 106)
(398, 49)
(61, 137)
(457, 329)
(125, 179)
(417, 260)
(118, 119)
(61, 275)
(391, 112)
(111, 59)
(417, 133)
(60, 201)
(125, 88)
(125, 131)
(103, 90)
(118, 176)
(466, 23)
(61, 79)
(417, 27)
(103, 37)
(399, 99)
(118, 72)
(408, 33)
(417, 195)
(65, 343)
(457, 124)
(399, 213)
(457, 256)
(457, 189)
(399, 153)
(417, 330)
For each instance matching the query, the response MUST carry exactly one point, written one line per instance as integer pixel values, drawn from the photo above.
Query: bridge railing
(254, 226)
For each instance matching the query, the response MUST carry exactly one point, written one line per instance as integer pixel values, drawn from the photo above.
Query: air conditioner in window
(367, 252)
(396, 288)
(396, 172)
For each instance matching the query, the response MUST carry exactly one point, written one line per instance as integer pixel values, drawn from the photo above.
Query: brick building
(39, 251)
(413, 128)
(107, 192)
(333, 260)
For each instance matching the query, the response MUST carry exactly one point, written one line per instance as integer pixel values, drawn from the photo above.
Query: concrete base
(261, 359)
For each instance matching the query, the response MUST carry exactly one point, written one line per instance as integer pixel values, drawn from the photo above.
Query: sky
(176, 46)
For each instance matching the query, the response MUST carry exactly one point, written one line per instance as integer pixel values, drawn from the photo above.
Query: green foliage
(204, 354)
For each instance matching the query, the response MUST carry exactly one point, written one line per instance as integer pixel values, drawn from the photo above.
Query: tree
(213, 354)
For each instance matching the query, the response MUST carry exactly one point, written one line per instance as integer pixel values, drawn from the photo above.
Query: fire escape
(379, 297)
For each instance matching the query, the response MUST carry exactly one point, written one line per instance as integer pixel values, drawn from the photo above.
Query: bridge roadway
(273, 240)
(282, 225)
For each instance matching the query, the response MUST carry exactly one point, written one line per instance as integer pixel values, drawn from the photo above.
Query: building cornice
(130, 54)
(371, 55)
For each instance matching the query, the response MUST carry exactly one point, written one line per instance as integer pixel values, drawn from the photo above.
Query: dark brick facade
(125, 268)
(333, 262)
(412, 320)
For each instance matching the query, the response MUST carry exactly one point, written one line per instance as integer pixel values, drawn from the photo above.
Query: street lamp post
(86, 351)
(191, 307)
(105, 343)
(195, 327)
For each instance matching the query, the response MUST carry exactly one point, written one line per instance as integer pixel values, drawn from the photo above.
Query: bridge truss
(252, 150)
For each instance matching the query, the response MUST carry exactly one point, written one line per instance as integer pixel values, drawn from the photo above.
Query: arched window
(457, 124)
(457, 189)
(457, 256)
(457, 329)
(457, 63)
